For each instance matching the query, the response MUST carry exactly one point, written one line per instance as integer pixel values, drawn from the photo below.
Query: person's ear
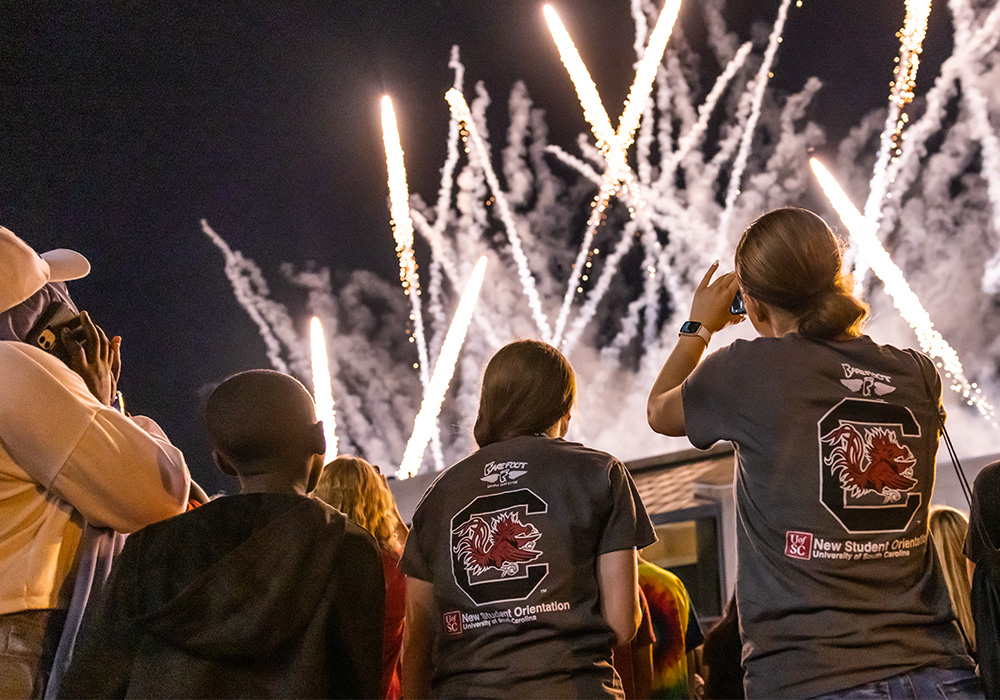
(223, 464)
(316, 438)
(564, 425)
(315, 472)
(756, 310)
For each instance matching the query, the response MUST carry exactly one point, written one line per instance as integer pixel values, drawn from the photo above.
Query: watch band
(695, 328)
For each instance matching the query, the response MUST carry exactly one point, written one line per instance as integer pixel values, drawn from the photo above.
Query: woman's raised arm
(709, 309)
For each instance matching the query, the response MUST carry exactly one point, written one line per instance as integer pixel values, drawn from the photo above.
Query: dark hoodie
(258, 595)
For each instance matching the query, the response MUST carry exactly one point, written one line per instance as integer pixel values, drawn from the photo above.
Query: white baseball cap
(23, 271)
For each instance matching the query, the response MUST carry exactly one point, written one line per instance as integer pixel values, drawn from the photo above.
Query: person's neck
(272, 483)
(783, 323)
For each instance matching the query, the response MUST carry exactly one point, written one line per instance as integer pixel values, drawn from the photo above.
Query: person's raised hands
(713, 298)
(95, 358)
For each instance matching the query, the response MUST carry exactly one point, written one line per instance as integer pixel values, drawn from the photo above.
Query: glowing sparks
(645, 74)
(402, 228)
(444, 368)
(460, 109)
(590, 100)
(862, 231)
(399, 208)
(911, 38)
(613, 144)
(322, 393)
(402, 231)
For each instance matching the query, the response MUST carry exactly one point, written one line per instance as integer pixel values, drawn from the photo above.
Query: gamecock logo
(872, 462)
(493, 543)
(503, 543)
(866, 472)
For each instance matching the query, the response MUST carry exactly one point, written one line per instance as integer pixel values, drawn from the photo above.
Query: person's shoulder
(441, 483)
(652, 575)
(890, 352)
(988, 477)
(15, 354)
(742, 352)
(583, 456)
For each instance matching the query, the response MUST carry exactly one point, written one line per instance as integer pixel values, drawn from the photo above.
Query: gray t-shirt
(835, 446)
(510, 538)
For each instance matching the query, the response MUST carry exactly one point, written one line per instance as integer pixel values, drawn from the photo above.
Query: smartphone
(46, 333)
(738, 308)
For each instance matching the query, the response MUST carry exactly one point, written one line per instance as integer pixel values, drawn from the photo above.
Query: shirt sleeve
(708, 388)
(693, 637)
(117, 472)
(985, 499)
(414, 562)
(628, 526)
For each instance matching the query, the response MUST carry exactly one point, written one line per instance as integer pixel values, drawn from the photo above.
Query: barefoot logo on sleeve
(495, 547)
(867, 471)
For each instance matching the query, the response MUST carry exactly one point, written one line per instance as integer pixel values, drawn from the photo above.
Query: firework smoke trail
(692, 137)
(572, 161)
(430, 407)
(597, 117)
(461, 111)
(593, 110)
(443, 207)
(641, 27)
(964, 19)
(597, 293)
(672, 219)
(613, 144)
(251, 292)
(911, 38)
(437, 251)
(322, 393)
(402, 230)
(743, 155)
(862, 231)
(903, 170)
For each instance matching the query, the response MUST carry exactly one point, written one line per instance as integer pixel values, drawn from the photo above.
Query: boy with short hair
(268, 593)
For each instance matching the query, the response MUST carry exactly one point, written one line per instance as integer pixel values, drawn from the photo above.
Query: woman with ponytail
(839, 592)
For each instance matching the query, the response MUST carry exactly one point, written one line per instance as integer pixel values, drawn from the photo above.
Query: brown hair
(790, 259)
(527, 387)
(352, 485)
(948, 528)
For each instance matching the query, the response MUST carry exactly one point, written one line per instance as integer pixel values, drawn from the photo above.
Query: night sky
(122, 124)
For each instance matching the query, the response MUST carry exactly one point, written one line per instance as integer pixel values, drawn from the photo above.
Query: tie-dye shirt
(676, 628)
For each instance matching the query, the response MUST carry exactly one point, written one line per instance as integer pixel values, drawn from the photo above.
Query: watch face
(690, 327)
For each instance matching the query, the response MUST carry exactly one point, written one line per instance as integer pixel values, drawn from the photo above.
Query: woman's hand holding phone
(713, 299)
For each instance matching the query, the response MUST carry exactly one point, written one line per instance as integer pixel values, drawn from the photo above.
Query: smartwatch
(696, 328)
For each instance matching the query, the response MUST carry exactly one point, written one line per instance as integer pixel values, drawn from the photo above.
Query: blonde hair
(948, 529)
(354, 487)
(790, 259)
(527, 387)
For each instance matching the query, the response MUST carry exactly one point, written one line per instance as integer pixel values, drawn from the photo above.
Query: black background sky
(124, 123)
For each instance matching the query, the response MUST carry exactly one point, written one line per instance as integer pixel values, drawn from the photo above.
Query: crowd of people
(520, 574)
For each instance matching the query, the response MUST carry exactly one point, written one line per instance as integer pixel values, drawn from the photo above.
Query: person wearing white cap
(71, 466)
